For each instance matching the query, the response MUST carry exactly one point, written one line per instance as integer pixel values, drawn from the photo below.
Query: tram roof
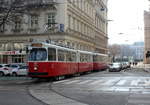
(65, 48)
(54, 46)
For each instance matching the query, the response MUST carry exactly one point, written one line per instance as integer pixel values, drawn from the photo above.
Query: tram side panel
(97, 66)
(63, 68)
(67, 63)
(85, 63)
(100, 62)
(85, 67)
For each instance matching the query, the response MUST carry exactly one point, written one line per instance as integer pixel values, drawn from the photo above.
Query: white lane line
(110, 82)
(121, 82)
(97, 82)
(74, 81)
(147, 82)
(62, 81)
(135, 82)
(84, 82)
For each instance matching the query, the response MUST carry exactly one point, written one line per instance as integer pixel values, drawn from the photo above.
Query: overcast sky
(127, 16)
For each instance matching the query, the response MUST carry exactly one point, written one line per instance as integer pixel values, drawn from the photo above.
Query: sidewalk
(145, 67)
(43, 93)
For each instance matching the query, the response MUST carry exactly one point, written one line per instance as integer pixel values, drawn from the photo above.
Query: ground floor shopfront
(13, 57)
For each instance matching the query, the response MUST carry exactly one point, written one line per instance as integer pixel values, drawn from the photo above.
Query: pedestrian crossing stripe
(121, 82)
(135, 82)
(111, 82)
(84, 82)
(74, 81)
(96, 82)
(107, 82)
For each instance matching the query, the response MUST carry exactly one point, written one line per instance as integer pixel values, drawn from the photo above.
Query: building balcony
(41, 4)
(54, 27)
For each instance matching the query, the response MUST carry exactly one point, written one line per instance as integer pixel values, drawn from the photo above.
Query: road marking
(147, 82)
(135, 82)
(84, 82)
(121, 82)
(74, 81)
(111, 82)
(62, 81)
(96, 82)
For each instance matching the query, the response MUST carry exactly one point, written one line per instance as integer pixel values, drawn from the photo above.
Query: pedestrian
(136, 63)
(133, 63)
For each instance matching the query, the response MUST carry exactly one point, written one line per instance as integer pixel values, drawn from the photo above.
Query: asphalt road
(129, 87)
(13, 91)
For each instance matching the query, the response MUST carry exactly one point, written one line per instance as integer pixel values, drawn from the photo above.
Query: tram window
(68, 56)
(38, 54)
(100, 58)
(84, 58)
(81, 58)
(51, 54)
(73, 56)
(61, 55)
(103, 59)
(96, 58)
(89, 58)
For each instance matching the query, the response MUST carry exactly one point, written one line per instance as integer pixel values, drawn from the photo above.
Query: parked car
(4, 70)
(115, 67)
(20, 71)
(126, 65)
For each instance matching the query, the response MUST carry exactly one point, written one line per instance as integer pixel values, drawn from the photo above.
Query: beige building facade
(79, 24)
(147, 35)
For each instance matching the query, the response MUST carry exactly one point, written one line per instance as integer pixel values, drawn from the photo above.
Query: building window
(3, 59)
(69, 21)
(17, 59)
(73, 23)
(2, 28)
(18, 46)
(17, 25)
(34, 21)
(51, 20)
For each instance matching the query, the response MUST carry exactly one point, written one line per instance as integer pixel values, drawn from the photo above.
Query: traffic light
(148, 54)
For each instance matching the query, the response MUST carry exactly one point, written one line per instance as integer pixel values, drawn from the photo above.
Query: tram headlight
(35, 68)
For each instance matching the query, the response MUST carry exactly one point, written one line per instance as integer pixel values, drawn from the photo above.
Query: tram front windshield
(38, 54)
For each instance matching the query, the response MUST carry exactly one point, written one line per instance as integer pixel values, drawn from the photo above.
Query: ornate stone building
(147, 35)
(81, 24)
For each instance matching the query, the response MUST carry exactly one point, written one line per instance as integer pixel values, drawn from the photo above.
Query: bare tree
(9, 10)
(12, 9)
(114, 51)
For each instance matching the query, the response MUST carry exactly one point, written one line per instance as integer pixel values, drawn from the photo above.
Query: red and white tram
(48, 60)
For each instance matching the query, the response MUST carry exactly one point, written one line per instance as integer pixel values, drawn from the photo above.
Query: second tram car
(48, 60)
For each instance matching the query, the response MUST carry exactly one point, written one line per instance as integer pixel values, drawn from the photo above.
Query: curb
(146, 70)
(43, 93)
(31, 93)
